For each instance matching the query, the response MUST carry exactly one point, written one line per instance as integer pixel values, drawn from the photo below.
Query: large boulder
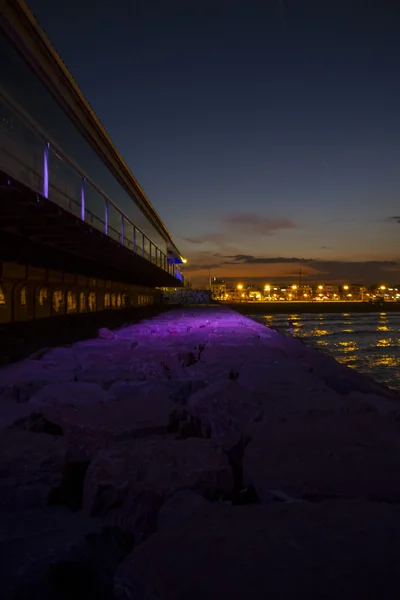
(225, 408)
(63, 357)
(106, 334)
(137, 413)
(53, 555)
(330, 550)
(178, 508)
(129, 481)
(348, 456)
(73, 393)
(278, 377)
(20, 381)
(31, 467)
(12, 412)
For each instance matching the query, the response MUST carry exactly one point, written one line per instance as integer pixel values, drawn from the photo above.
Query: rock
(331, 550)
(177, 508)
(134, 391)
(106, 334)
(90, 428)
(350, 456)
(58, 357)
(74, 393)
(98, 354)
(31, 467)
(376, 403)
(107, 375)
(12, 412)
(225, 408)
(342, 379)
(20, 381)
(51, 554)
(280, 377)
(130, 481)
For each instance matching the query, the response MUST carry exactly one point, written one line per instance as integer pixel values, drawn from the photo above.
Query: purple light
(83, 198)
(46, 170)
(106, 218)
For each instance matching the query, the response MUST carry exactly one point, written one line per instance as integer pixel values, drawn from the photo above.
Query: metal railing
(29, 156)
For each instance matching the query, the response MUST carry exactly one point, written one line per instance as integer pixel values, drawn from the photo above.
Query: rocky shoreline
(196, 455)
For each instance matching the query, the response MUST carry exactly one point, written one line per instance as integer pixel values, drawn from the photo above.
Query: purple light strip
(83, 198)
(46, 170)
(106, 217)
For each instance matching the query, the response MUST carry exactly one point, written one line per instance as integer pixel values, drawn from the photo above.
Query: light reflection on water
(369, 343)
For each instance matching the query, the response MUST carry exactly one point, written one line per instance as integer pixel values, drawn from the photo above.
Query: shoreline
(292, 308)
(193, 429)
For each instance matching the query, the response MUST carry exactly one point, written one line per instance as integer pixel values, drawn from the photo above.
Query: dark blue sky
(261, 129)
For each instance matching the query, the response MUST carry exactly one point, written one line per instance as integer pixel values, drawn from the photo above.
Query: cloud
(395, 219)
(244, 259)
(241, 224)
(201, 267)
(246, 267)
(257, 224)
(206, 237)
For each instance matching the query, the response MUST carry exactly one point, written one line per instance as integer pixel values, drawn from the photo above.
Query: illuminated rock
(73, 393)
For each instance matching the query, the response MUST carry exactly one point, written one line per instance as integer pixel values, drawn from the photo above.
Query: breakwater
(266, 308)
(197, 454)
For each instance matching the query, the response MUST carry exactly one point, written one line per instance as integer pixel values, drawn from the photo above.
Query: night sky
(265, 133)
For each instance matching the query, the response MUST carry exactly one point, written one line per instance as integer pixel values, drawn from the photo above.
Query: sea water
(369, 342)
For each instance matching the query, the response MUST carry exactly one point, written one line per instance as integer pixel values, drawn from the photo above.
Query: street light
(383, 287)
(345, 287)
(267, 288)
(320, 287)
(240, 286)
(294, 287)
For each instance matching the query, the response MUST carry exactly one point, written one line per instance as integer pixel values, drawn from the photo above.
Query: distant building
(218, 289)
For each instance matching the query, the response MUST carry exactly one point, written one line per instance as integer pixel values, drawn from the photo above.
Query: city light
(240, 292)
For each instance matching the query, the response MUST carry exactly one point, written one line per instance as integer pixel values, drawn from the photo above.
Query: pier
(208, 456)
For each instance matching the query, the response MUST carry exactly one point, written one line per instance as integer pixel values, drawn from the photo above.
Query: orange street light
(320, 287)
(240, 286)
(345, 287)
